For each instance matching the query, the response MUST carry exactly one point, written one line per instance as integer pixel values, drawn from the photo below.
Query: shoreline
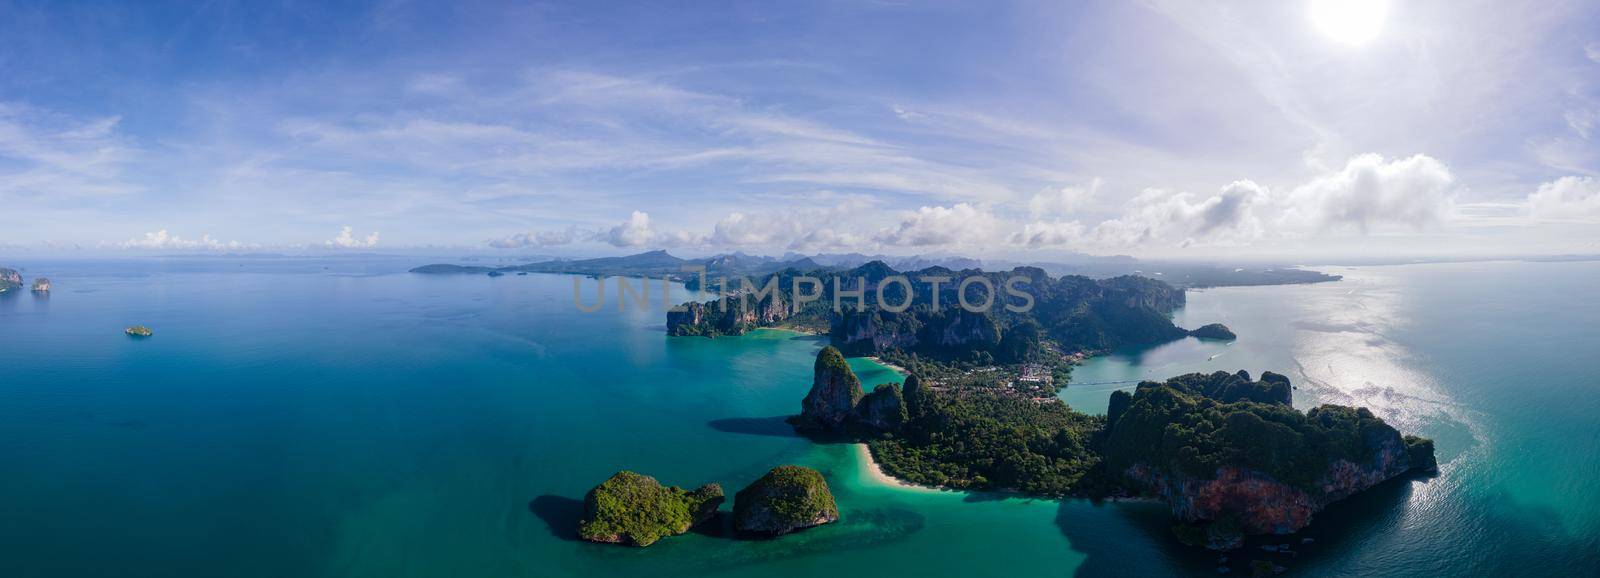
(873, 470)
(896, 368)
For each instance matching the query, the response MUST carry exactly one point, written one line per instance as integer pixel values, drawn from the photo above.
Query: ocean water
(344, 418)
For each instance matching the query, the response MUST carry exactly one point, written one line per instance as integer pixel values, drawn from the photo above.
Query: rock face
(884, 409)
(10, 279)
(711, 318)
(788, 498)
(835, 391)
(1214, 331)
(637, 510)
(41, 285)
(1225, 451)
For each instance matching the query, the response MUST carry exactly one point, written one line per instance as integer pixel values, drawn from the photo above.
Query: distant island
(10, 280)
(1230, 455)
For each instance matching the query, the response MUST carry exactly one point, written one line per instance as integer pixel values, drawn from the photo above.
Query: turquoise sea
(345, 418)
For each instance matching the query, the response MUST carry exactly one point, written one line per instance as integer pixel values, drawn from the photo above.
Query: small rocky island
(138, 331)
(788, 498)
(1229, 454)
(41, 285)
(9, 279)
(1214, 331)
(636, 510)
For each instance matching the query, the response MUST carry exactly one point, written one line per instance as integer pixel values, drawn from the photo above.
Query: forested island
(1230, 455)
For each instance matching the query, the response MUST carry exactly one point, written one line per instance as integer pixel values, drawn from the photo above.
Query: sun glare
(1349, 21)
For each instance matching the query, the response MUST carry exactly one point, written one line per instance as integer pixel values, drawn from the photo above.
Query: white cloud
(1063, 201)
(1566, 198)
(1183, 218)
(553, 238)
(741, 229)
(1592, 51)
(827, 240)
(164, 241)
(1369, 193)
(634, 232)
(1042, 234)
(956, 225)
(347, 240)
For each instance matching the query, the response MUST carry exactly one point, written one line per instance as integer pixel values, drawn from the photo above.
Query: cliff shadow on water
(775, 426)
(1103, 532)
(560, 515)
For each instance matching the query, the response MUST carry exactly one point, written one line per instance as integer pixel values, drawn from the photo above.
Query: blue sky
(1173, 129)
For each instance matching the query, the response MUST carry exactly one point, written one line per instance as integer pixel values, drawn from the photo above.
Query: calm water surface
(344, 418)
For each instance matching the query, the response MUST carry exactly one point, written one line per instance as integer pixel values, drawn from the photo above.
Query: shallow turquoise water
(341, 418)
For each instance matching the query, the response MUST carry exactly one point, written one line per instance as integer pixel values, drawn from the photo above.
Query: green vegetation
(787, 498)
(987, 440)
(1194, 424)
(630, 508)
(139, 331)
(973, 438)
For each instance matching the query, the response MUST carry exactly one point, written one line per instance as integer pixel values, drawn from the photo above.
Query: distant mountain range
(662, 264)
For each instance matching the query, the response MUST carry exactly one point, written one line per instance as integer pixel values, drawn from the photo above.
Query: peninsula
(1230, 455)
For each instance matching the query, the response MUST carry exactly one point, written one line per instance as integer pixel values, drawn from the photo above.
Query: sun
(1350, 22)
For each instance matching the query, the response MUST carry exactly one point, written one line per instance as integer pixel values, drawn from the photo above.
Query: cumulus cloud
(827, 240)
(960, 224)
(1063, 201)
(348, 240)
(1042, 234)
(741, 229)
(1566, 198)
(1184, 218)
(637, 231)
(1369, 193)
(554, 238)
(165, 241)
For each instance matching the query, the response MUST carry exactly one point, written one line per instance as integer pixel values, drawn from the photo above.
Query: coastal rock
(41, 285)
(637, 510)
(9, 279)
(884, 409)
(1214, 331)
(138, 331)
(835, 391)
(1226, 451)
(788, 498)
(915, 395)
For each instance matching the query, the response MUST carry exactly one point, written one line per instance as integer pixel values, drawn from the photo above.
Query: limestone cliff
(884, 409)
(835, 391)
(1222, 449)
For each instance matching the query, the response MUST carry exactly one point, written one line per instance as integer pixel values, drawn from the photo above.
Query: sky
(1173, 129)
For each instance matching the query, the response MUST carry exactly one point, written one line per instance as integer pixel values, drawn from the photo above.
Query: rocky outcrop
(835, 391)
(10, 280)
(788, 498)
(1235, 456)
(41, 285)
(633, 509)
(1231, 387)
(1214, 331)
(138, 331)
(884, 409)
(732, 317)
